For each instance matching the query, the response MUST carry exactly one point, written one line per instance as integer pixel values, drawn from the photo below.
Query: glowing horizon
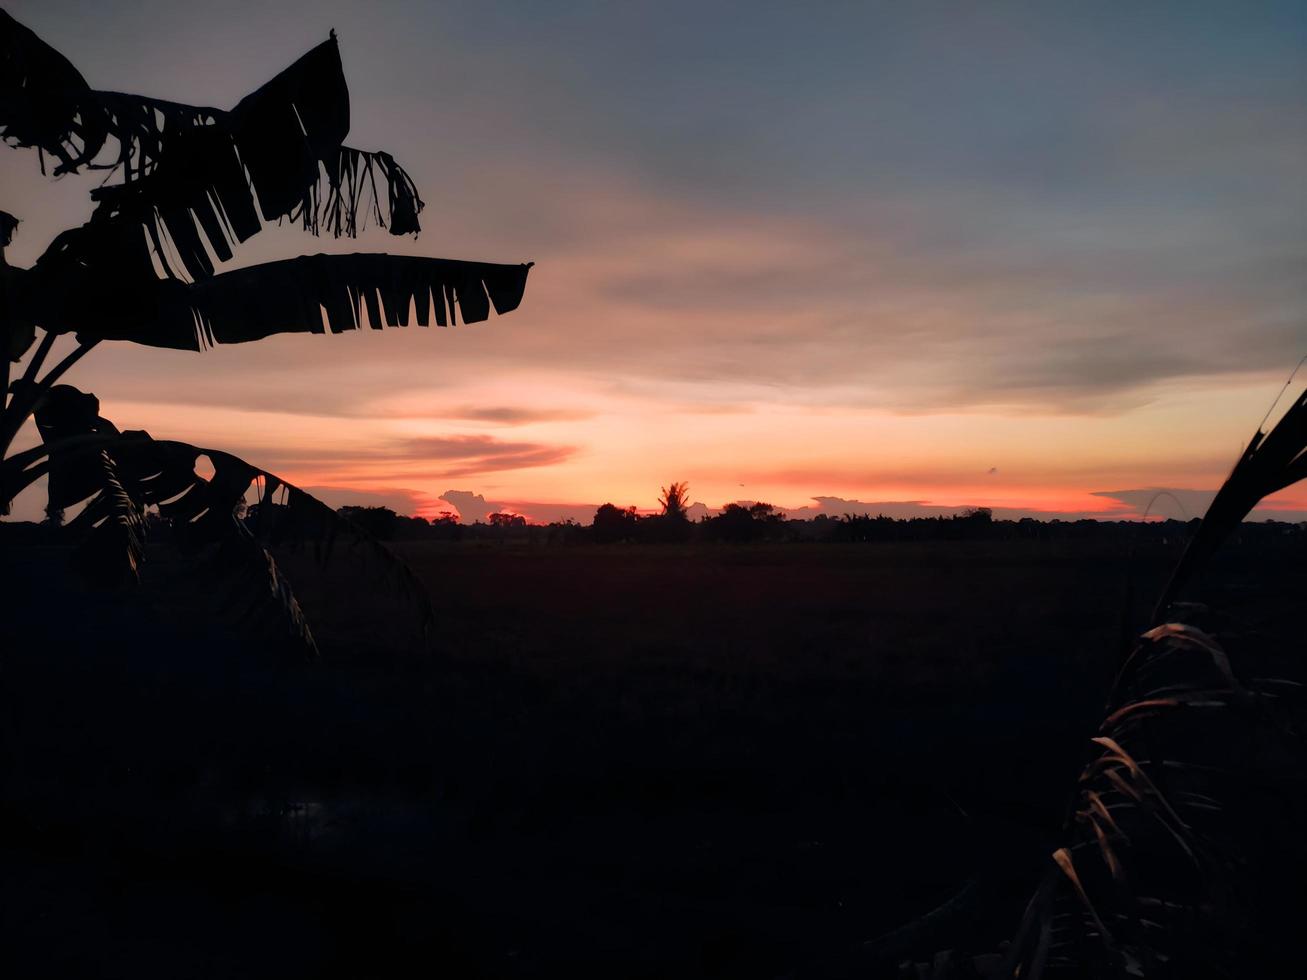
(548, 457)
(1046, 263)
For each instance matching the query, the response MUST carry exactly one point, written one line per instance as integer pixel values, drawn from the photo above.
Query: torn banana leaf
(308, 294)
(198, 179)
(117, 475)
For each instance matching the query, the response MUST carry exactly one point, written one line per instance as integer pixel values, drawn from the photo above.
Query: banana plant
(186, 185)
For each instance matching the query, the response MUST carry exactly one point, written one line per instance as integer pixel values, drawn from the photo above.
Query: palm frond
(308, 294)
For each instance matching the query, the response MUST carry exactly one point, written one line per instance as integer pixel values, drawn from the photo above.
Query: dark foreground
(637, 762)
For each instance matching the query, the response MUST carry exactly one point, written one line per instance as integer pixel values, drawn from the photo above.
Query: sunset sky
(844, 256)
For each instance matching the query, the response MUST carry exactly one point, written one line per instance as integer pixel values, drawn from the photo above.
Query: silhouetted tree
(506, 520)
(674, 501)
(565, 532)
(380, 522)
(741, 523)
(195, 181)
(613, 523)
(446, 526)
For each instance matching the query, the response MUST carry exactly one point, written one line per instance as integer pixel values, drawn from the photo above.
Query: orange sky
(526, 440)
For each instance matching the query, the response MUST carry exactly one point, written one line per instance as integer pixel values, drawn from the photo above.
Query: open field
(624, 761)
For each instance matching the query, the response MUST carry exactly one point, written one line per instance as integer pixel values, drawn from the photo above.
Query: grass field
(624, 761)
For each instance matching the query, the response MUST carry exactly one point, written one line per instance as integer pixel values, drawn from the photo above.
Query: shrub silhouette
(741, 523)
(614, 524)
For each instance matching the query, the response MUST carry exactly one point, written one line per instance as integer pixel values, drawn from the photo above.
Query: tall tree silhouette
(674, 500)
(187, 185)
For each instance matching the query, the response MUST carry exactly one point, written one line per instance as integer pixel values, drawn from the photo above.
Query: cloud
(463, 447)
(474, 507)
(907, 509)
(471, 455)
(491, 464)
(1076, 298)
(414, 458)
(1162, 501)
(1182, 504)
(698, 511)
(419, 404)
(511, 415)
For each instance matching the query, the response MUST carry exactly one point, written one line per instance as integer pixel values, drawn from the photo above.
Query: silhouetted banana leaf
(45, 102)
(116, 473)
(308, 294)
(1272, 462)
(114, 547)
(197, 178)
(17, 329)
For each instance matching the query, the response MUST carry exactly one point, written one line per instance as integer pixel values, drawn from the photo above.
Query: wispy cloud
(428, 457)
(514, 415)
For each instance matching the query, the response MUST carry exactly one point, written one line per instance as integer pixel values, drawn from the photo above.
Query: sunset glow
(829, 285)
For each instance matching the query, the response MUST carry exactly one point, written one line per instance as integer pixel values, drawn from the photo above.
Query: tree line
(747, 523)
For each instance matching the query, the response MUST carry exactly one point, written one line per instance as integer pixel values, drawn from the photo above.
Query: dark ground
(636, 762)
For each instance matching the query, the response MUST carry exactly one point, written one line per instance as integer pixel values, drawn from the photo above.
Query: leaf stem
(29, 392)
